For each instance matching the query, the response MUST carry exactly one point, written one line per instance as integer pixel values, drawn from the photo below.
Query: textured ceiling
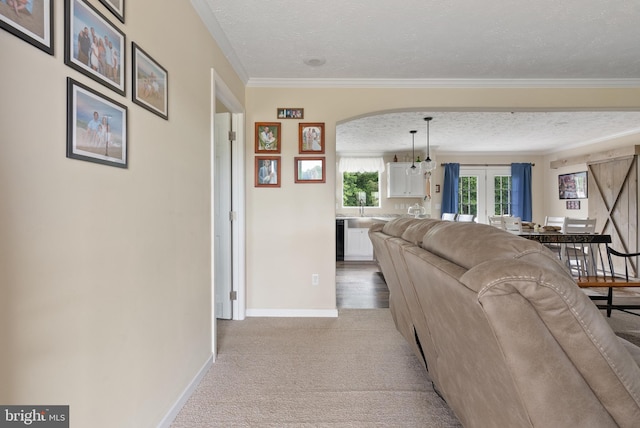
(436, 42)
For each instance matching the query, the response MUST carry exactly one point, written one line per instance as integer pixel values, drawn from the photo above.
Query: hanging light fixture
(428, 165)
(413, 169)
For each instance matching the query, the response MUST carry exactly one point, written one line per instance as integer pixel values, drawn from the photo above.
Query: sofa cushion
(469, 244)
(415, 231)
(397, 226)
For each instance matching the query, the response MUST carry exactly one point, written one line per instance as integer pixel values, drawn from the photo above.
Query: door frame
(221, 92)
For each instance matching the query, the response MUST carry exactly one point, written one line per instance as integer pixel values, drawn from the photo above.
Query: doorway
(227, 206)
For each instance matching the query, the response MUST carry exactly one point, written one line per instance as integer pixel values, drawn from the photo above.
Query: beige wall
(290, 229)
(104, 272)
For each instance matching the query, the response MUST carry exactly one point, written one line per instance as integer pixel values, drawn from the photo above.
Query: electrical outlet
(315, 279)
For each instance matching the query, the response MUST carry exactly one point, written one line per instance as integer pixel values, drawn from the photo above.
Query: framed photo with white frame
(96, 126)
(31, 21)
(93, 45)
(149, 82)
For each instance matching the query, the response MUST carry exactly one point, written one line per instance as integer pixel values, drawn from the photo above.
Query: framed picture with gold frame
(268, 137)
(267, 171)
(310, 170)
(311, 138)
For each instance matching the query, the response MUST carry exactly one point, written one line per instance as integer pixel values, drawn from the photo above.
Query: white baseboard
(182, 399)
(301, 313)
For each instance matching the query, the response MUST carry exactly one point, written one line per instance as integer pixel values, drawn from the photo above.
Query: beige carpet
(352, 371)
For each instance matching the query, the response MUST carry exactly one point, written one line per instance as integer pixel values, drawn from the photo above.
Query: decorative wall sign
(573, 205)
(96, 126)
(93, 45)
(32, 21)
(290, 113)
(267, 137)
(150, 83)
(267, 171)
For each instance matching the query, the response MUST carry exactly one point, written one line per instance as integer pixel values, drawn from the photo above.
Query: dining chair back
(512, 224)
(470, 218)
(579, 225)
(554, 221)
(449, 216)
(496, 221)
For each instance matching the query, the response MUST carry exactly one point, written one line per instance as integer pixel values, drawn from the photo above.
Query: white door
(481, 195)
(223, 261)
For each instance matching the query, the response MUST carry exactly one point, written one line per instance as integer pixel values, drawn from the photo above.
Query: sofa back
(510, 339)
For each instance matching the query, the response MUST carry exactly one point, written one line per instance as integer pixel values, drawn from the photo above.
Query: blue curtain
(521, 190)
(450, 188)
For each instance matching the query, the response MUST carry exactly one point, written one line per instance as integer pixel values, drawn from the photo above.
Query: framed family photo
(150, 83)
(93, 45)
(116, 7)
(267, 171)
(268, 137)
(31, 21)
(290, 113)
(572, 186)
(309, 170)
(96, 126)
(311, 138)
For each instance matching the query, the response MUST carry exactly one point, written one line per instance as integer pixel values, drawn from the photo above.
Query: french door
(484, 191)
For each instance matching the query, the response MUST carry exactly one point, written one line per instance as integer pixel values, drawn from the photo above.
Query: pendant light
(413, 169)
(428, 165)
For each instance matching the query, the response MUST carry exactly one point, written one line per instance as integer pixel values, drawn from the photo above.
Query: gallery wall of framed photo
(308, 168)
(96, 46)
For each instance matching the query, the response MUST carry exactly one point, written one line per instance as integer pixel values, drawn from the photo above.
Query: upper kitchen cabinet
(401, 185)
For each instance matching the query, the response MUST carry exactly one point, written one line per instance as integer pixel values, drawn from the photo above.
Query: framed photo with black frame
(149, 83)
(96, 126)
(31, 21)
(93, 45)
(573, 186)
(116, 7)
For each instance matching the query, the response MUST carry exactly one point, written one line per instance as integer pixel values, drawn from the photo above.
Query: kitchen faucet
(361, 208)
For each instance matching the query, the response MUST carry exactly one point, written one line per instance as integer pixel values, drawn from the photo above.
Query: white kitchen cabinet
(401, 185)
(358, 246)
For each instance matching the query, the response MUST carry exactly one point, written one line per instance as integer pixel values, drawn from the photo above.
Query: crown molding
(442, 83)
(203, 9)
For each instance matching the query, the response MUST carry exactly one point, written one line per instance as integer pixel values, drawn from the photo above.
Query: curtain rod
(484, 164)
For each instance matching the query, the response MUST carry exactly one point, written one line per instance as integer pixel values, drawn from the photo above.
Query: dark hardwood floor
(360, 285)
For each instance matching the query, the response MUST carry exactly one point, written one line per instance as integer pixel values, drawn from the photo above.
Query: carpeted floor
(352, 371)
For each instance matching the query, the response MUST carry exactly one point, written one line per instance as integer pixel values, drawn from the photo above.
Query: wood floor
(360, 285)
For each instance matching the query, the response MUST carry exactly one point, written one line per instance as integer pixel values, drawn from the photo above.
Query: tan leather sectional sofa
(507, 337)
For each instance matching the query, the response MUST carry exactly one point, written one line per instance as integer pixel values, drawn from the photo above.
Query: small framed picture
(96, 126)
(150, 83)
(116, 7)
(267, 137)
(93, 45)
(32, 21)
(311, 138)
(290, 113)
(573, 205)
(309, 170)
(267, 171)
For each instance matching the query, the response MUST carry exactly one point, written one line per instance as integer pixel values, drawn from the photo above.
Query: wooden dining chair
(554, 221)
(579, 225)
